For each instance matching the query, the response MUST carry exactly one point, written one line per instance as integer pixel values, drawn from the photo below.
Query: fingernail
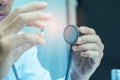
(79, 41)
(82, 29)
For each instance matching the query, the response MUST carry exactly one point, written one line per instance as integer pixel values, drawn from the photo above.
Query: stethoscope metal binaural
(71, 34)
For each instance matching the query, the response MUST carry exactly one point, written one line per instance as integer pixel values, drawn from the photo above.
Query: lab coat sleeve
(32, 70)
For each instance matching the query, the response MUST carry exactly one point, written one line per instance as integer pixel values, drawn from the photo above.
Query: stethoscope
(71, 34)
(15, 72)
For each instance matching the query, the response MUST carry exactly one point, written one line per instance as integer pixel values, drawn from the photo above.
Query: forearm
(3, 72)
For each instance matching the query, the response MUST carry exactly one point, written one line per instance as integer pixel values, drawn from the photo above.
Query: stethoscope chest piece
(71, 34)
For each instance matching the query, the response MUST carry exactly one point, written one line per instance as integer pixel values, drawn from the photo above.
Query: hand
(13, 45)
(87, 54)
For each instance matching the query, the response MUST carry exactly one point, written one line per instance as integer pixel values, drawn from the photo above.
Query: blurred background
(102, 15)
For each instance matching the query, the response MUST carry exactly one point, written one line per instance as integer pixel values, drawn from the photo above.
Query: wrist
(76, 76)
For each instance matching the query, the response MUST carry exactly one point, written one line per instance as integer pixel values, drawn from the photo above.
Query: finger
(87, 30)
(24, 9)
(77, 58)
(37, 24)
(32, 39)
(86, 47)
(91, 54)
(90, 39)
(17, 24)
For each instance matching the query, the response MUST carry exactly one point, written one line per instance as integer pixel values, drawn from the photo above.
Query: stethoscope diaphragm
(71, 34)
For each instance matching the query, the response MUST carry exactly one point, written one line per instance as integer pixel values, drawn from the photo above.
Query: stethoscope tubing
(77, 34)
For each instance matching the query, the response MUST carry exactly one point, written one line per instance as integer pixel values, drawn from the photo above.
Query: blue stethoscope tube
(71, 34)
(15, 72)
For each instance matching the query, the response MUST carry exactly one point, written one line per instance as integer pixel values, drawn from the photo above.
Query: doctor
(18, 57)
